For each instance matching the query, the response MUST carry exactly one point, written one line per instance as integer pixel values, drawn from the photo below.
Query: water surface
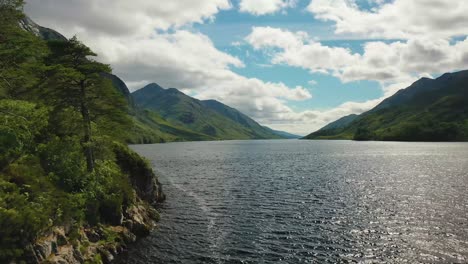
(291, 201)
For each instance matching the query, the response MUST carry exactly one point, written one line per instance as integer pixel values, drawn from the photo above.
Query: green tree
(10, 12)
(21, 53)
(74, 80)
(20, 123)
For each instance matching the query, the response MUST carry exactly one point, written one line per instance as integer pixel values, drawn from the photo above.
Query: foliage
(59, 121)
(20, 123)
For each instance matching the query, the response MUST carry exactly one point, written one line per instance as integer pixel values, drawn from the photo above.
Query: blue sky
(232, 26)
(294, 65)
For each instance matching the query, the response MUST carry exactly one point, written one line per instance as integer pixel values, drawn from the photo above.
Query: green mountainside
(428, 110)
(209, 119)
(148, 126)
(340, 123)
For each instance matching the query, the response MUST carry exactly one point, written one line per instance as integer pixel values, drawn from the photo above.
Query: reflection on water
(291, 201)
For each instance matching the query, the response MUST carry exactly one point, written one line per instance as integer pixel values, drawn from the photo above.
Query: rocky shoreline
(103, 243)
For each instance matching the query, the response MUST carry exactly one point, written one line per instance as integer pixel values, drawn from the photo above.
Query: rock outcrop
(102, 243)
(99, 244)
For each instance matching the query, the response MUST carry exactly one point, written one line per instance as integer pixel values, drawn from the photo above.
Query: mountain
(149, 126)
(45, 33)
(121, 87)
(340, 123)
(329, 131)
(428, 110)
(283, 134)
(210, 118)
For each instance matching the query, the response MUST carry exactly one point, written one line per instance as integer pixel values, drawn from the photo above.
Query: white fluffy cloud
(399, 19)
(263, 7)
(384, 62)
(121, 17)
(299, 50)
(306, 122)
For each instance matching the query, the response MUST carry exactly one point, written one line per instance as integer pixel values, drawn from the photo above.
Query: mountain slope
(238, 117)
(44, 33)
(210, 118)
(148, 126)
(283, 134)
(340, 123)
(428, 110)
(331, 130)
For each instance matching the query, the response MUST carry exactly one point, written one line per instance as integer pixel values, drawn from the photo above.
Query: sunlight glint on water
(309, 202)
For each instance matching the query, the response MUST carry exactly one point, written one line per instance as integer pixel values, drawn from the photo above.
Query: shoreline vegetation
(71, 191)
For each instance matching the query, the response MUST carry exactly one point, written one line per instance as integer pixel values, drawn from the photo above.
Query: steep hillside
(121, 87)
(340, 123)
(71, 191)
(428, 110)
(45, 33)
(210, 118)
(149, 126)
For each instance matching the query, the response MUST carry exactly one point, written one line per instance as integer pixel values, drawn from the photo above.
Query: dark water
(309, 202)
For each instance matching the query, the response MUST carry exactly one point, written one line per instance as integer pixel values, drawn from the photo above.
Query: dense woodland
(63, 126)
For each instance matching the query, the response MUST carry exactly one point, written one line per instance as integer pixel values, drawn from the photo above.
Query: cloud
(305, 122)
(398, 19)
(381, 61)
(121, 17)
(298, 49)
(264, 7)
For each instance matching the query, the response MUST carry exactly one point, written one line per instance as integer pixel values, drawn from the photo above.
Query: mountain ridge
(427, 110)
(208, 117)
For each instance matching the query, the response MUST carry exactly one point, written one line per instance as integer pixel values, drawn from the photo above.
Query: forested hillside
(428, 110)
(69, 186)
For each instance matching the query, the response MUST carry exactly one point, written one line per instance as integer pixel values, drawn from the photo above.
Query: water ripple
(309, 202)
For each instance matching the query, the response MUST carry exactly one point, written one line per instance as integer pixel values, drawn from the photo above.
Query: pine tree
(74, 80)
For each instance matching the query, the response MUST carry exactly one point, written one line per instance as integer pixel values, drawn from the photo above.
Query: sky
(293, 65)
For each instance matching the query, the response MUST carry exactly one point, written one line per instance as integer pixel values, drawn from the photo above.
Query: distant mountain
(243, 119)
(210, 118)
(428, 110)
(283, 134)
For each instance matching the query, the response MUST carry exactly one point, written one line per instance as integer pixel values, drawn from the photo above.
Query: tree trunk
(87, 139)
